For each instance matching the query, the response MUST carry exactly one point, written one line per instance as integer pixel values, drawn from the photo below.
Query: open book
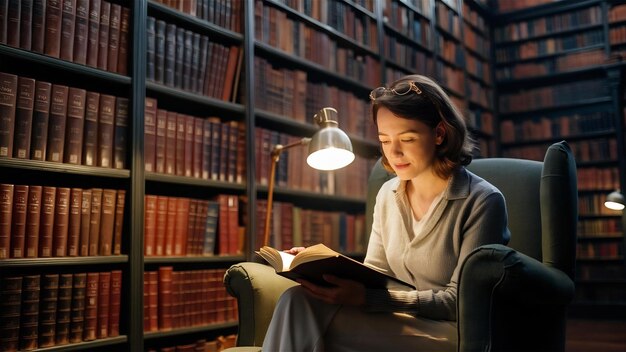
(317, 260)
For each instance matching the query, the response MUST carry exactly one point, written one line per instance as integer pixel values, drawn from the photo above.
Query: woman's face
(409, 145)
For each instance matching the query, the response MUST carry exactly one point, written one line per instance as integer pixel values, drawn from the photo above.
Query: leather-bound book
(61, 222)
(107, 221)
(46, 222)
(165, 292)
(48, 309)
(6, 210)
(160, 147)
(10, 310)
(64, 309)
(77, 319)
(170, 143)
(18, 220)
(106, 120)
(73, 152)
(115, 300)
(118, 227)
(104, 293)
(90, 134)
(103, 35)
(182, 225)
(81, 32)
(122, 59)
(24, 117)
(91, 307)
(57, 123)
(8, 99)
(39, 26)
(196, 165)
(29, 319)
(94, 221)
(85, 223)
(150, 48)
(180, 144)
(41, 116)
(93, 36)
(170, 55)
(73, 229)
(13, 23)
(161, 225)
(68, 20)
(189, 138)
(115, 19)
(33, 217)
(120, 135)
(26, 24)
(170, 226)
(149, 224)
(159, 51)
(52, 38)
(150, 133)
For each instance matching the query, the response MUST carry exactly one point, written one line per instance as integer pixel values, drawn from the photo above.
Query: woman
(426, 221)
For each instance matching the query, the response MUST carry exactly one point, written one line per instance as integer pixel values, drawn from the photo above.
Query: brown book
(120, 138)
(68, 17)
(48, 203)
(8, 98)
(106, 120)
(170, 54)
(91, 307)
(29, 319)
(48, 309)
(4, 10)
(181, 120)
(114, 37)
(10, 309)
(61, 222)
(170, 143)
(73, 232)
(161, 130)
(181, 226)
(104, 293)
(41, 115)
(73, 152)
(161, 225)
(189, 140)
(192, 217)
(90, 134)
(151, 301)
(187, 59)
(18, 220)
(122, 60)
(103, 35)
(159, 51)
(165, 291)
(52, 35)
(57, 123)
(13, 23)
(107, 221)
(85, 223)
(24, 117)
(81, 32)
(150, 224)
(79, 287)
(180, 57)
(93, 36)
(206, 149)
(115, 300)
(195, 63)
(33, 214)
(64, 309)
(6, 210)
(118, 227)
(39, 26)
(26, 22)
(94, 221)
(232, 65)
(170, 226)
(150, 134)
(197, 147)
(216, 146)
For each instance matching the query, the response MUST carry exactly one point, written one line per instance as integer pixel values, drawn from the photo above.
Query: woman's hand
(294, 250)
(343, 291)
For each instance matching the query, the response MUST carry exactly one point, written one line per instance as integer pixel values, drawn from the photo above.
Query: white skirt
(303, 323)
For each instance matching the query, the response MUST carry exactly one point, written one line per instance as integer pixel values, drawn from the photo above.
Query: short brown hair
(431, 106)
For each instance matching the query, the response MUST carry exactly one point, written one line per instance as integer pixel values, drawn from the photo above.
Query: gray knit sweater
(471, 213)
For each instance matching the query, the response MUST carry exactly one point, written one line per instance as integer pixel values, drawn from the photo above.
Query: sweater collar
(458, 189)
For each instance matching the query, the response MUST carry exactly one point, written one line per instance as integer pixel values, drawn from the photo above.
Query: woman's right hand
(294, 250)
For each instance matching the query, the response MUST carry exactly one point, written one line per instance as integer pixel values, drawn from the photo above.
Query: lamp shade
(330, 148)
(615, 201)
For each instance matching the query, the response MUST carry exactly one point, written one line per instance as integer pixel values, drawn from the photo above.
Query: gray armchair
(510, 298)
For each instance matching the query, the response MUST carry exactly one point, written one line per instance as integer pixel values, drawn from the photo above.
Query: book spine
(24, 117)
(52, 41)
(13, 23)
(159, 51)
(170, 143)
(114, 37)
(180, 144)
(68, 16)
(150, 48)
(160, 147)
(103, 35)
(79, 287)
(29, 318)
(106, 120)
(188, 149)
(26, 21)
(48, 309)
(150, 134)
(6, 210)
(121, 133)
(149, 224)
(161, 225)
(64, 309)
(18, 220)
(75, 126)
(170, 229)
(41, 115)
(181, 226)
(93, 33)
(85, 223)
(104, 295)
(48, 202)
(122, 60)
(165, 298)
(91, 307)
(8, 99)
(57, 123)
(107, 221)
(33, 215)
(170, 55)
(73, 236)
(198, 133)
(39, 26)
(90, 134)
(118, 228)
(61, 222)
(81, 32)
(115, 300)
(94, 221)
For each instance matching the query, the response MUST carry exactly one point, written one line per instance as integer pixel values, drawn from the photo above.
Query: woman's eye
(407, 140)
(385, 142)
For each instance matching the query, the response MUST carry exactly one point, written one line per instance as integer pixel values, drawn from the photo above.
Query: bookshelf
(559, 77)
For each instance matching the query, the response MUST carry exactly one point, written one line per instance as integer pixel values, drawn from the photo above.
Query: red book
(161, 225)
(90, 134)
(180, 144)
(33, 217)
(151, 303)
(106, 120)
(170, 143)
(149, 224)
(8, 98)
(189, 139)
(93, 36)
(107, 221)
(192, 217)
(64, 309)
(85, 223)
(150, 115)
(73, 152)
(68, 16)
(61, 222)
(91, 307)
(222, 230)
(39, 26)
(52, 37)
(197, 147)
(233, 64)
(77, 319)
(73, 235)
(41, 115)
(29, 319)
(233, 225)
(103, 38)
(114, 37)
(81, 32)
(94, 221)
(181, 226)
(18, 219)
(48, 309)
(24, 117)
(6, 210)
(118, 226)
(160, 147)
(104, 295)
(57, 123)
(206, 149)
(115, 300)
(48, 202)
(122, 60)
(165, 292)
(120, 138)
(170, 229)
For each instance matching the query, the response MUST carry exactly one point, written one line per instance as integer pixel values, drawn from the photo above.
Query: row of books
(478, 94)
(478, 67)
(553, 96)
(599, 227)
(45, 310)
(551, 65)
(292, 93)
(190, 146)
(555, 126)
(617, 13)
(404, 54)
(52, 122)
(179, 299)
(475, 18)
(549, 24)
(183, 59)
(599, 249)
(600, 272)
(402, 19)
(592, 150)
(448, 19)
(395, 9)
(273, 27)
(219, 344)
(293, 226)
(593, 204)
(617, 35)
(88, 32)
(476, 42)
(549, 46)
(452, 78)
(224, 13)
(597, 178)
(450, 50)
(45, 221)
(480, 119)
(177, 226)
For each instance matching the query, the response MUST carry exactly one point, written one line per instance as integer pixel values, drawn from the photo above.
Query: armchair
(510, 298)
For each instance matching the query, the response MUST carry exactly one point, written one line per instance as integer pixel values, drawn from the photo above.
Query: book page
(309, 254)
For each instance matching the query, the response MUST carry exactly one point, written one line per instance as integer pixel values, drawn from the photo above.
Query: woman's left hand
(343, 291)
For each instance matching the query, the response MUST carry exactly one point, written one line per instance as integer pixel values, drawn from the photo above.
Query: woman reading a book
(426, 220)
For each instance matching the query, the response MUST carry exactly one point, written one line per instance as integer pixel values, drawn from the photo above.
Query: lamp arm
(275, 156)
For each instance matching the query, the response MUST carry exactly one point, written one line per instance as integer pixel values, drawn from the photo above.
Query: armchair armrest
(507, 301)
(257, 288)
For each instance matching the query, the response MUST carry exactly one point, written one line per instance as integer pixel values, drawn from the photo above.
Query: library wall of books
(135, 141)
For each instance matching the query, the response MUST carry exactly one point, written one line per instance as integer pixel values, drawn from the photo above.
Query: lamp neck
(278, 148)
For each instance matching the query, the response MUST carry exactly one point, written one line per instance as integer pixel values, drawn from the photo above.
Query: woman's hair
(428, 103)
